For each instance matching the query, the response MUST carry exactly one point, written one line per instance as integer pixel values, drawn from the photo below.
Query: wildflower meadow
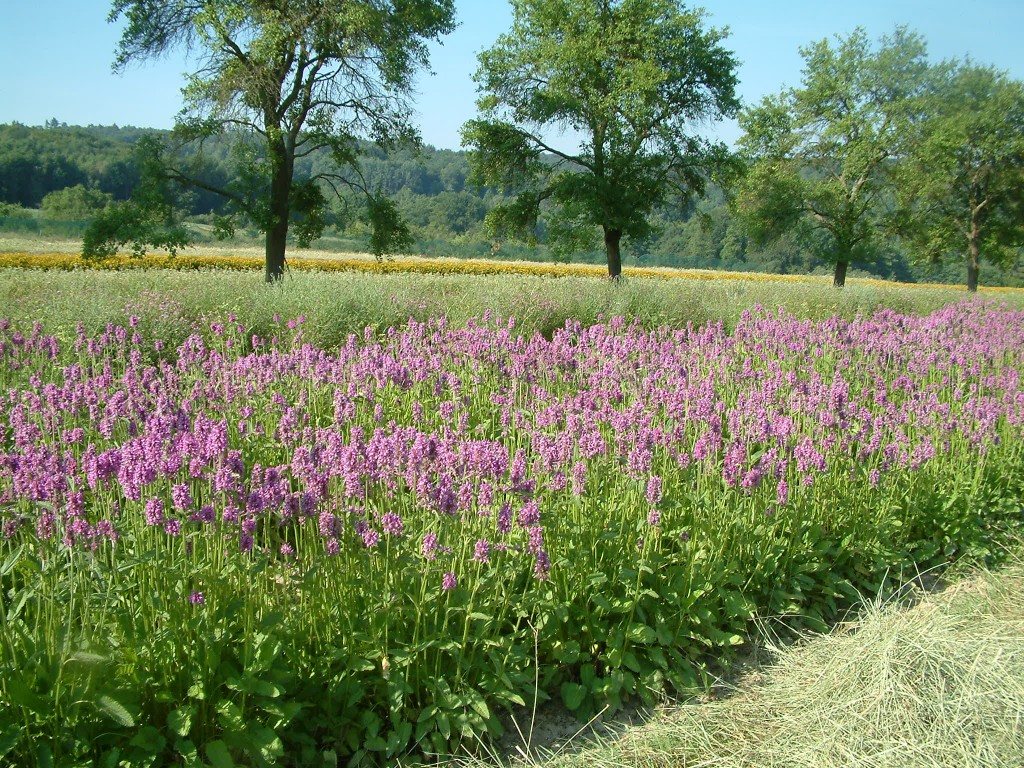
(257, 550)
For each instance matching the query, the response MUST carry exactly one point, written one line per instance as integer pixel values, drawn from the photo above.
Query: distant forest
(433, 193)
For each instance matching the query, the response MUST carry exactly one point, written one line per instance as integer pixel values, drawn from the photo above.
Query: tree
(77, 203)
(820, 156)
(631, 78)
(282, 79)
(962, 183)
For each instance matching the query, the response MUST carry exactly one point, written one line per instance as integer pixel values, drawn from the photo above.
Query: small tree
(283, 79)
(820, 155)
(962, 184)
(633, 78)
(77, 203)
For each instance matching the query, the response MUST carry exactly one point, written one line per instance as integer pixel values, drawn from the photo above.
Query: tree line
(299, 122)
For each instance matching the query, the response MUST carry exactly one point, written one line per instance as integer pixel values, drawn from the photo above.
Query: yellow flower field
(412, 264)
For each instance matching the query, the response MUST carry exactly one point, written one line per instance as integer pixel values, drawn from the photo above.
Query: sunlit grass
(937, 683)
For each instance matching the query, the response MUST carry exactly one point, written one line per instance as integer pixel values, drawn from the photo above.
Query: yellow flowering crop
(64, 261)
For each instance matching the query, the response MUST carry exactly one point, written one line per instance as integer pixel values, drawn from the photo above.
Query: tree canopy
(820, 155)
(282, 79)
(961, 185)
(634, 79)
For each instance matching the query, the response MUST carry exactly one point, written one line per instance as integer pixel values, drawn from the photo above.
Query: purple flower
(505, 518)
(782, 492)
(448, 581)
(529, 515)
(535, 539)
(579, 478)
(197, 598)
(654, 491)
(654, 518)
(482, 551)
(181, 496)
(392, 524)
(370, 537)
(172, 527)
(429, 547)
(154, 512)
(542, 566)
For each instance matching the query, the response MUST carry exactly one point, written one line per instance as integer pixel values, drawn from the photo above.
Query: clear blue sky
(55, 55)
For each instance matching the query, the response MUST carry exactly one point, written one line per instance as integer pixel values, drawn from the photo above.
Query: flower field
(342, 263)
(255, 550)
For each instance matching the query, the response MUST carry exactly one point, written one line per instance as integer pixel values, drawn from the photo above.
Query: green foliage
(389, 234)
(14, 211)
(77, 203)
(961, 185)
(631, 79)
(36, 161)
(148, 219)
(281, 84)
(820, 154)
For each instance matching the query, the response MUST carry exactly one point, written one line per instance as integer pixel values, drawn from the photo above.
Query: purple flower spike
(654, 491)
(482, 551)
(430, 546)
(392, 524)
(181, 496)
(197, 598)
(154, 512)
(448, 581)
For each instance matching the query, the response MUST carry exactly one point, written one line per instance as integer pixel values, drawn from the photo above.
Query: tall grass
(336, 305)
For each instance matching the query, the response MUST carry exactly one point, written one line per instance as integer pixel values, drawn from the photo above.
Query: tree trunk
(839, 277)
(611, 247)
(280, 208)
(973, 257)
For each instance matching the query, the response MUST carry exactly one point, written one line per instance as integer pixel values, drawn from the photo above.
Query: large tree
(962, 182)
(820, 156)
(285, 78)
(634, 80)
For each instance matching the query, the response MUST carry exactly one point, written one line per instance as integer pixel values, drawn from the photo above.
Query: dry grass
(940, 683)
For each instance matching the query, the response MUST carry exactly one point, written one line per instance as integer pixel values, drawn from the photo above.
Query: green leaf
(398, 739)
(44, 755)
(23, 696)
(573, 695)
(361, 665)
(268, 743)
(218, 754)
(444, 726)
(10, 735)
(12, 560)
(180, 720)
(479, 704)
(150, 740)
(601, 602)
(230, 716)
(187, 750)
(641, 634)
